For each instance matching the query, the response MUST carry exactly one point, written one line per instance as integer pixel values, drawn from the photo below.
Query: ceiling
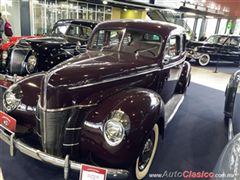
(233, 6)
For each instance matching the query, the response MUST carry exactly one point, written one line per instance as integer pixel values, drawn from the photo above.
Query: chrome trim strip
(66, 108)
(1, 175)
(44, 157)
(230, 130)
(73, 129)
(68, 145)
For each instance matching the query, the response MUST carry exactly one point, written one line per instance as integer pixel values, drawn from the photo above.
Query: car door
(172, 66)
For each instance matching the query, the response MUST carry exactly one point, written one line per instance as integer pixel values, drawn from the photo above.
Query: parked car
(224, 49)
(106, 107)
(193, 45)
(67, 39)
(228, 164)
(232, 103)
(6, 43)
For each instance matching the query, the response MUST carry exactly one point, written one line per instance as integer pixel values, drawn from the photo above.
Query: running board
(172, 106)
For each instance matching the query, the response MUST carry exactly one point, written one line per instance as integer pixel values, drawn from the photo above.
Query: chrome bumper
(9, 137)
(7, 80)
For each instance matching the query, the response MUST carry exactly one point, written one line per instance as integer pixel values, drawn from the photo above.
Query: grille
(17, 59)
(50, 129)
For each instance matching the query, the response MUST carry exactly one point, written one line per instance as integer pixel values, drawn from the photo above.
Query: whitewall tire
(204, 59)
(142, 170)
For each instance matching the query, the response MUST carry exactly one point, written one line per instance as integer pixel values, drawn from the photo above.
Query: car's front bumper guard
(9, 137)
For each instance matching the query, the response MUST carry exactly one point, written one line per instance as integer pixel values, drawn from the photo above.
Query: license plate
(91, 172)
(8, 121)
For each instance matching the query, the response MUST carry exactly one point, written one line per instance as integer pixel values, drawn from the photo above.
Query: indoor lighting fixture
(105, 2)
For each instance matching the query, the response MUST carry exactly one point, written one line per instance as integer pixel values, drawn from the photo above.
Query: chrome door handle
(165, 61)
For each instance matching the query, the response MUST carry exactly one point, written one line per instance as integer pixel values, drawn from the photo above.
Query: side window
(106, 39)
(234, 42)
(173, 47)
(81, 32)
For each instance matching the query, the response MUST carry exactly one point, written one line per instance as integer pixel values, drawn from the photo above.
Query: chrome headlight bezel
(116, 127)
(4, 55)
(31, 63)
(114, 132)
(12, 98)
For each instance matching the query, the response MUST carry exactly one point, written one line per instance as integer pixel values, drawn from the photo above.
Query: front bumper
(9, 137)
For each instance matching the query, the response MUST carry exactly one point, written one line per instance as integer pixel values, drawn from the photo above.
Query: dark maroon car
(107, 107)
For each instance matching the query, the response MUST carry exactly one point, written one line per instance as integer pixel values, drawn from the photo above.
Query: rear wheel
(204, 60)
(144, 160)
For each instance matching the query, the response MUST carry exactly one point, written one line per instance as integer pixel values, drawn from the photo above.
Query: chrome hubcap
(146, 153)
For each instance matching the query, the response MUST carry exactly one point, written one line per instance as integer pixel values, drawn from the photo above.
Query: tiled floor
(210, 79)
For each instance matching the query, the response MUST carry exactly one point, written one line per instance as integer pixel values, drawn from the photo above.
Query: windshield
(132, 41)
(217, 39)
(60, 30)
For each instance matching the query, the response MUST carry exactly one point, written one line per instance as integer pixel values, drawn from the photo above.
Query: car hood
(44, 41)
(92, 73)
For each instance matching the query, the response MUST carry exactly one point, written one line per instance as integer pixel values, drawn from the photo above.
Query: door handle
(165, 61)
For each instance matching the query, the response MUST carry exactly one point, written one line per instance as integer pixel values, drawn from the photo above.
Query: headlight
(31, 64)
(12, 98)
(4, 55)
(113, 132)
(116, 127)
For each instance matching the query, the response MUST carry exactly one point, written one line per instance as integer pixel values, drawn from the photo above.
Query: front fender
(144, 108)
(230, 94)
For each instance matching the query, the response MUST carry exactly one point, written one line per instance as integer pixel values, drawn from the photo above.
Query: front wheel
(144, 160)
(204, 60)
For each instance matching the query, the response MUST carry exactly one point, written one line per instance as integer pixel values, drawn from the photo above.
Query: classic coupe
(107, 107)
(67, 39)
(223, 49)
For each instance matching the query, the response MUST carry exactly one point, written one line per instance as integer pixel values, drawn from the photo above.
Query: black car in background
(223, 48)
(192, 46)
(67, 39)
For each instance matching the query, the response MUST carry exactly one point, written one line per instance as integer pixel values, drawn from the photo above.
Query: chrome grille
(50, 129)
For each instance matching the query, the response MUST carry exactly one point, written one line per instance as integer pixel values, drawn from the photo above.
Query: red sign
(7, 121)
(92, 173)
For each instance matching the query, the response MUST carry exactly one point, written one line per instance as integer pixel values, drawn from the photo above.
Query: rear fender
(143, 107)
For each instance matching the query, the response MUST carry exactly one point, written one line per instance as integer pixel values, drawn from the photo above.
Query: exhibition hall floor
(193, 140)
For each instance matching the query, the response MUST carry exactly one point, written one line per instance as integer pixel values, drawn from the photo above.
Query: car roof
(77, 21)
(139, 24)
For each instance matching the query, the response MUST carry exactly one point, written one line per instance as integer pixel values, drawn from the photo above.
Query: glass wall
(211, 26)
(198, 28)
(10, 10)
(222, 27)
(237, 27)
(46, 12)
